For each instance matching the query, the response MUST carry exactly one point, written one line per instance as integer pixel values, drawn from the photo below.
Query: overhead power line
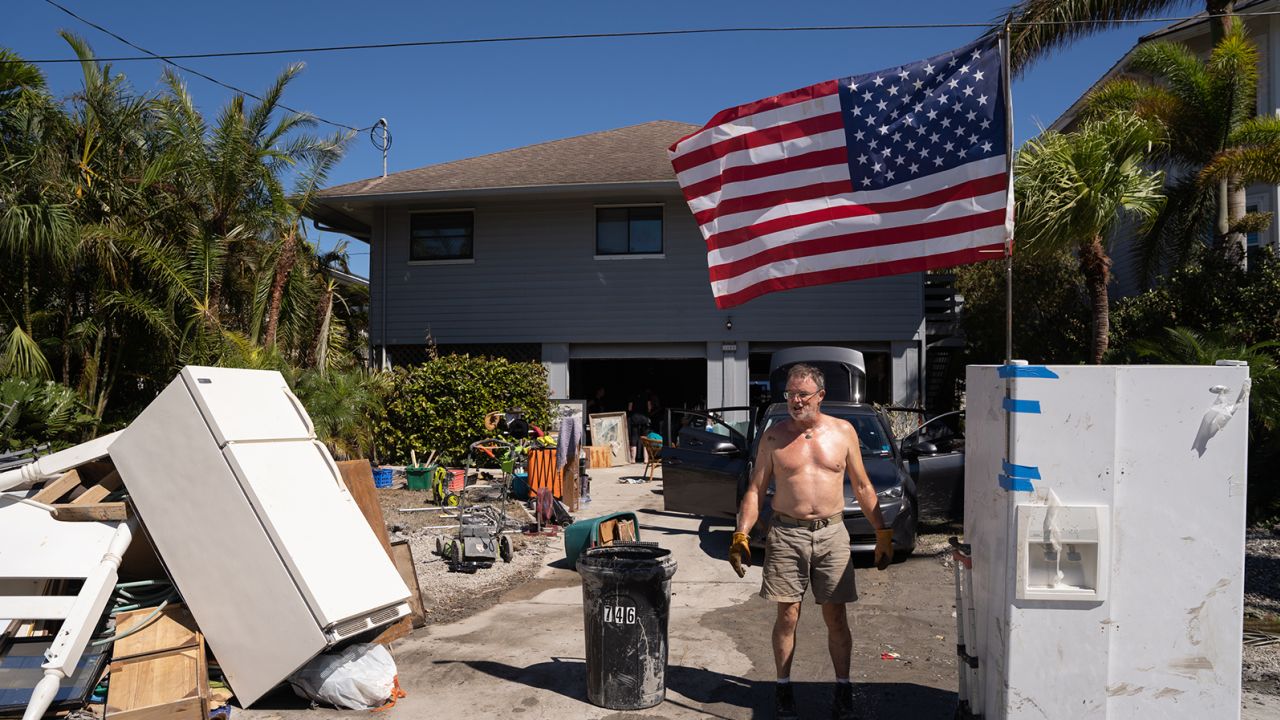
(605, 35)
(169, 60)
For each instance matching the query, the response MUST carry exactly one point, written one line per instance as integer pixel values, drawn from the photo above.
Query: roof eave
(1172, 33)
(512, 191)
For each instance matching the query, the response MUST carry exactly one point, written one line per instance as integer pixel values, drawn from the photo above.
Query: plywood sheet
(165, 685)
(358, 476)
(402, 556)
(173, 629)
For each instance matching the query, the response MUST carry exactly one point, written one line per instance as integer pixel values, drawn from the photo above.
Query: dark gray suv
(705, 470)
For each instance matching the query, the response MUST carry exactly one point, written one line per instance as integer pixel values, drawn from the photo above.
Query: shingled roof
(637, 153)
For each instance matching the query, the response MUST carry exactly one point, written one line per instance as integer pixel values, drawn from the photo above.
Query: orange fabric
(542, 472)
(396, 694)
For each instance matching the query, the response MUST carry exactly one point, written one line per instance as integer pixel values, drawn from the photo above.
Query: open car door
(707, 461)
(935, 457)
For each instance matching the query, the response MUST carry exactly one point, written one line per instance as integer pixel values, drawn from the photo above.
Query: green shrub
(441, 404)
(33, 412)
(345, 406)
(1051, 311)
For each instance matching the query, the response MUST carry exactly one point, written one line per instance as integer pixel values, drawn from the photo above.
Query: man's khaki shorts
(796, 557)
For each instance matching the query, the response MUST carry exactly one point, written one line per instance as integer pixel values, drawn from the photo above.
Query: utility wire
(169, 60)
(605, 35)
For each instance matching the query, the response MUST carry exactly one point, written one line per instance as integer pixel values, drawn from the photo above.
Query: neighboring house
(582, 253)
(1195, 34)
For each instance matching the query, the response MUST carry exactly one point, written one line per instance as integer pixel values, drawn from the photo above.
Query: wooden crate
(599, 456)
(159, 672)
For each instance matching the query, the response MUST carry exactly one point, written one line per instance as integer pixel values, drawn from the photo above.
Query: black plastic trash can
(626, 600)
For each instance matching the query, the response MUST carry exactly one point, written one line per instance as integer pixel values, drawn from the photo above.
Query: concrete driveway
(524, 656)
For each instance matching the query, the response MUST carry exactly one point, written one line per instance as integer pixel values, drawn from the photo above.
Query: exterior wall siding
(535, 278)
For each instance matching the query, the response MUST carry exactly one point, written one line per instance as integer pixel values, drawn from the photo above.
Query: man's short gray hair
(800, 370)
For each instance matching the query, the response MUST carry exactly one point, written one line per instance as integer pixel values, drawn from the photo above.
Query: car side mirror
(725, 448)
(924, 447)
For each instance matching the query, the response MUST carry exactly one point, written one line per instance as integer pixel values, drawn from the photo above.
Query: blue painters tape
(1030, 472)
(1022, 406)
(1016, 484)
(1027, 371)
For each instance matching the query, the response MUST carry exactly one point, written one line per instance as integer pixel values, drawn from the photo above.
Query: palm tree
(1042, 26)
(320, 157)
(1073, 188)
(228, 199)
(1206, 110)
(37, 227)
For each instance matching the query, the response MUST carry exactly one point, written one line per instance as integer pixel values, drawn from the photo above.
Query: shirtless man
(808, 457)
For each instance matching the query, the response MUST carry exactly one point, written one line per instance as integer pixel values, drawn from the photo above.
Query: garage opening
(677, 383)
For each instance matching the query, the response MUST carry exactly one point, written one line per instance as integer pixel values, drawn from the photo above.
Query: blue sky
(446, 103)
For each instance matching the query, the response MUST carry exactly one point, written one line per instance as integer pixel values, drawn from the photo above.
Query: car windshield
(871, 435)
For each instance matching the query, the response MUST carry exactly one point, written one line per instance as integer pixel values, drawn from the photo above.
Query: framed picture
(573, 408)
(611, 429)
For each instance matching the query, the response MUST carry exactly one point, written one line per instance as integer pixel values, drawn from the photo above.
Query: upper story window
(440, 236)
(629, 230)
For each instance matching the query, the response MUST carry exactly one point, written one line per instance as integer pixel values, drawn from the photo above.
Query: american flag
(895, 171)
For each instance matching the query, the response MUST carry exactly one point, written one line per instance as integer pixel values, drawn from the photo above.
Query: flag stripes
(896, 171)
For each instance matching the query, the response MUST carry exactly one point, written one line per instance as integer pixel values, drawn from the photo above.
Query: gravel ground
(1262, 605)
(449, 596)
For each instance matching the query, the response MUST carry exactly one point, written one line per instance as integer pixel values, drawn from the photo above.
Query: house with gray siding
(582, 253)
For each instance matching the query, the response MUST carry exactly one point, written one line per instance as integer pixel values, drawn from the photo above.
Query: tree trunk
(1225, 10)
(284, 266)
(319, 355)
(66, 343)
(1096, 268)
(1236, 202)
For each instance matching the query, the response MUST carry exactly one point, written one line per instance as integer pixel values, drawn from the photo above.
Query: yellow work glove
(884, 548)
(740, 553)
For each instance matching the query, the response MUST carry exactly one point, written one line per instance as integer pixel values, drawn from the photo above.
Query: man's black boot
(784, 702)
(842, 703)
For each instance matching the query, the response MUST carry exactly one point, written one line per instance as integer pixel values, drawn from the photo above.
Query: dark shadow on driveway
(703, 688)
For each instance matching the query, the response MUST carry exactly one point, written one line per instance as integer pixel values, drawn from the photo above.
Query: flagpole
(1008, 155)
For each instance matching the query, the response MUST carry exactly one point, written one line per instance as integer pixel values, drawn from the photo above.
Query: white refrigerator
(1105, 510)
(251, 518)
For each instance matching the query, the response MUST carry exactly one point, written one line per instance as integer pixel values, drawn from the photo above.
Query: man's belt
(788, 521)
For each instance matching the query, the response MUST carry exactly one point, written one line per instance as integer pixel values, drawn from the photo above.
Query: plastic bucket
(520, 486)
(626, 600)
(382, 477)
(419, 476)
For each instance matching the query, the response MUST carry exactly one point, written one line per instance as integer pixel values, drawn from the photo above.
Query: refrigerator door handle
(302, 412)
(333, 466)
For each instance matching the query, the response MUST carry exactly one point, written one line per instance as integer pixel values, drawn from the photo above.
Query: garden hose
(137, 595)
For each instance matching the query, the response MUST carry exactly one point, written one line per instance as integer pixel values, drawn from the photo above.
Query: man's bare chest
(803, 455)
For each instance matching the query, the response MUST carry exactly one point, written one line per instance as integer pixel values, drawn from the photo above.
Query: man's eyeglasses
(801, 396)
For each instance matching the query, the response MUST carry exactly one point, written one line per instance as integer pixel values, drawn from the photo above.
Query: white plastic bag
(360, 677)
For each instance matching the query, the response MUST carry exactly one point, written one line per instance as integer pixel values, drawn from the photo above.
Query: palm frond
(1074, 187)
(1042, 26)
(21, 356)
(1256, 164)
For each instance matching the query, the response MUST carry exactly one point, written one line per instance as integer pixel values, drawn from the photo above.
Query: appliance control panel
(1063, 552)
